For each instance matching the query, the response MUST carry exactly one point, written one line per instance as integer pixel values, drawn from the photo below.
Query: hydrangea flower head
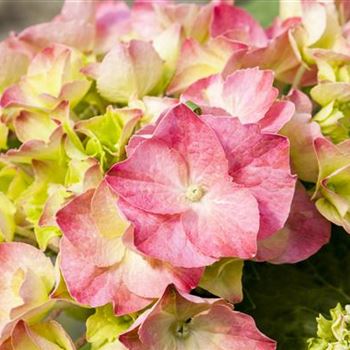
(189, 175)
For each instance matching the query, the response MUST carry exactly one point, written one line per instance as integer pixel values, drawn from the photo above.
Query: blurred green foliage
(286, 299)
(262, 10)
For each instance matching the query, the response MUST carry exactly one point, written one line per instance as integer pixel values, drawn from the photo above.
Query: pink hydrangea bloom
(191, 323)
(99, 262)
(201, 188)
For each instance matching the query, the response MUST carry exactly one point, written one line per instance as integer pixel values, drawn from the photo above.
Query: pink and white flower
(201, 188)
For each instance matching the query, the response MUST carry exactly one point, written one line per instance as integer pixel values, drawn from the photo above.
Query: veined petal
(164, 237)
(237, 24)
(103, 245)
(185, 132)
(225, 223)
(258, 162)
(123, 74)
(27, 278)
(304, 233)
(106, 267)
(153, 178)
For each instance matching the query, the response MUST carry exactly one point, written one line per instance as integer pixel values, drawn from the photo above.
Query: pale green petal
(7, 218)
(3, 136)
(103, 328)
(334, 333)
(224, 279)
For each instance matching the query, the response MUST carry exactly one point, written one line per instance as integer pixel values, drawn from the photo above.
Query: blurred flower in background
(19, 14)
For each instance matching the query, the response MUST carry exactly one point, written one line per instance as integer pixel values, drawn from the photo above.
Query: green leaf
(286, 299)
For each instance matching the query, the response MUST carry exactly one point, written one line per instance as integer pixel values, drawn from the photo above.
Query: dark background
(18, 14)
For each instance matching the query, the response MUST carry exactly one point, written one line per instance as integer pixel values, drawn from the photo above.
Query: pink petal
(225, 224)
(212, 324)
(152, 178)
(76, 221)
(16, 255)
(14, 60)
(199, 61)
(237, 24)
(13, 97)
(277, 116)
(112, 22)
(94, 286)
(74, 27)
(143, 134)
(206, 92)
(231, 329)
(156, 275)
(99, 267)
(279, 26)
(281, 55)
(185, 132)
(260, 163)
(164, 237)
(247, 94)
(304, 233)
(20, 265)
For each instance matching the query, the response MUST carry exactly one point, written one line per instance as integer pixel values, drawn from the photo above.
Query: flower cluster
(148, 151)
(332, 334)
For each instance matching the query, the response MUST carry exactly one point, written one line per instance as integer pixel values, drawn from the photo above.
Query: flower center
(195, 193)
(183, 329)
